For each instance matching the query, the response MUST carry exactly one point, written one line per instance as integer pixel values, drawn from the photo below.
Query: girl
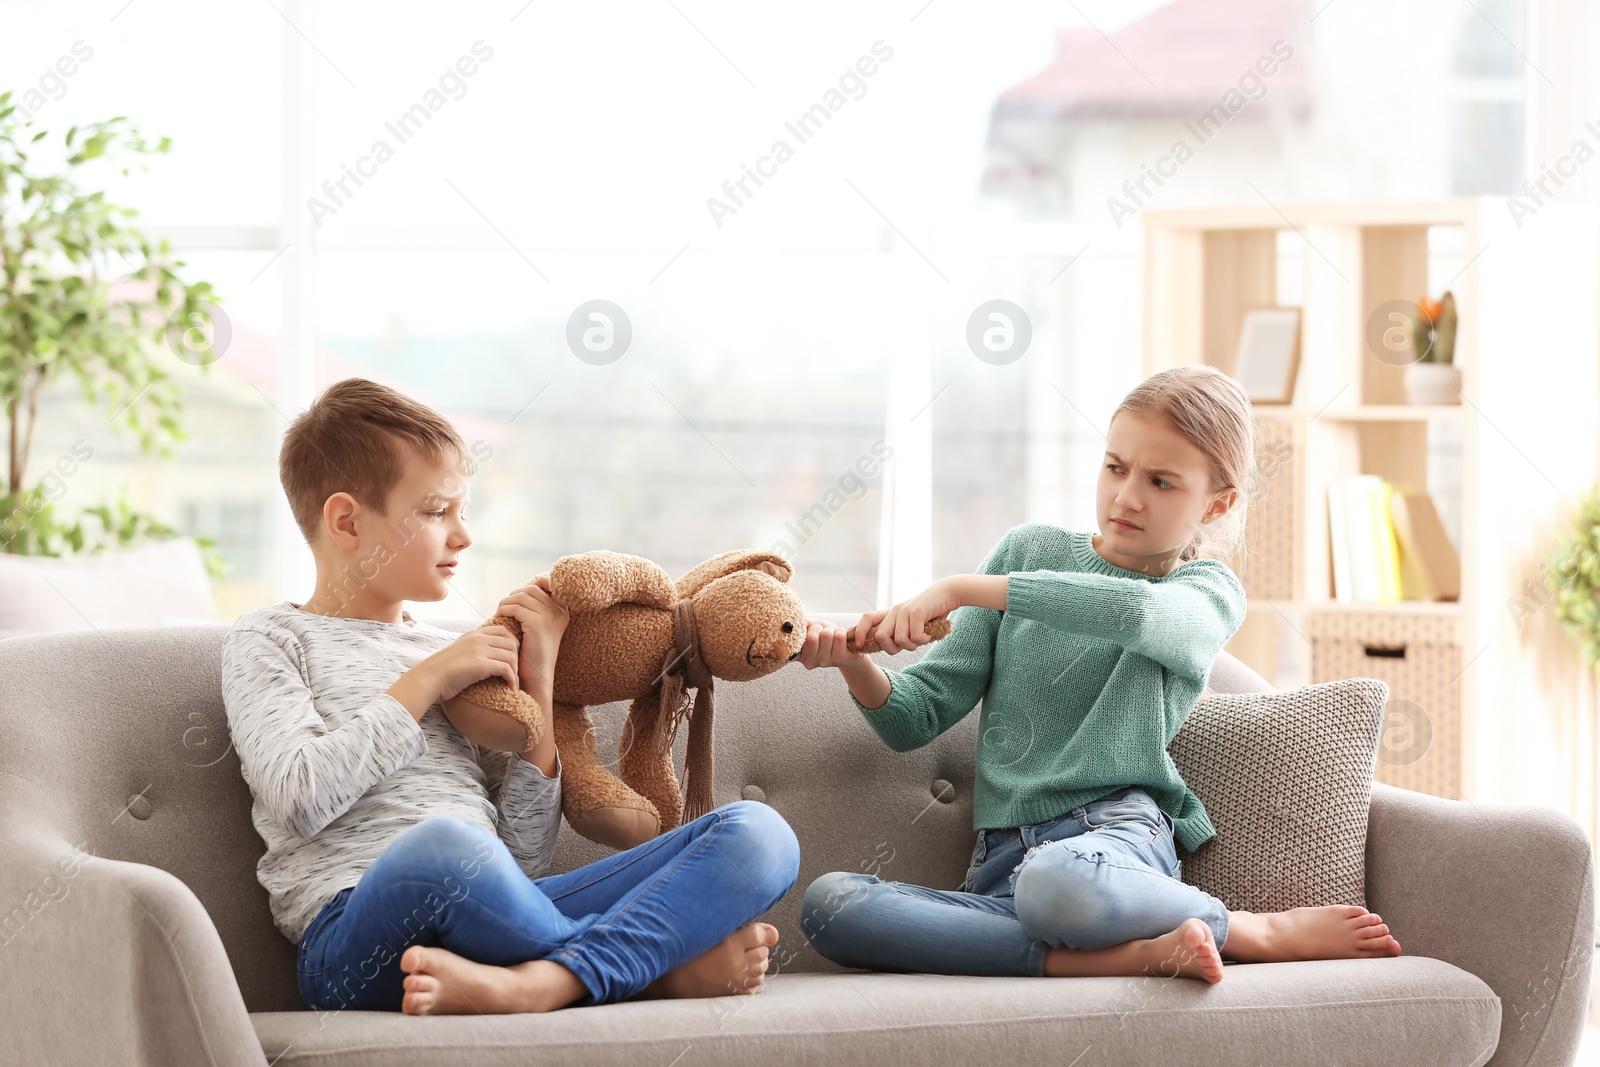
(1089, 651)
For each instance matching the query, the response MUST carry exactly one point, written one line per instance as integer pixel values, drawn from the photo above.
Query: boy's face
(401, 554)
(1154, 490)
(428, 519)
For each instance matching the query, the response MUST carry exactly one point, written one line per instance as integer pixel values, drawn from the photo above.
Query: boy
(404, 860)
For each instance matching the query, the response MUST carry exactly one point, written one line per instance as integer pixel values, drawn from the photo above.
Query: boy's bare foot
(1333, 932)
(1190, 951)
(439, 982)
(736, 965)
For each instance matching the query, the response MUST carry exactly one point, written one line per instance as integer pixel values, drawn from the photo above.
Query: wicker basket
(1419, 657)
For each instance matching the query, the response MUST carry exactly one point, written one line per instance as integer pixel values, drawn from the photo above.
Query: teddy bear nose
(780, 651)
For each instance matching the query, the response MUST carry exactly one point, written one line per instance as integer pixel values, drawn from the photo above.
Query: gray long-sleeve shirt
(338, 767)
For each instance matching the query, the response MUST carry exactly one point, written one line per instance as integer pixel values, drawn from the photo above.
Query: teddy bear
(635, 635)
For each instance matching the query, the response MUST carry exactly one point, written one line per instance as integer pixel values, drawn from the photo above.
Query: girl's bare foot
(439, 982)
(1190, 951)
(736, 965)
(1334, 932)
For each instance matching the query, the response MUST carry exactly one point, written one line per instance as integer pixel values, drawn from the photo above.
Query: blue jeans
(1103, 873)
(618, 924)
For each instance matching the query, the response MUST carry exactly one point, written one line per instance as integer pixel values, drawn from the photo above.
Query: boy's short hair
(348, 441)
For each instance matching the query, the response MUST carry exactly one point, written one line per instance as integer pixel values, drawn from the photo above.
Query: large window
(436, 197)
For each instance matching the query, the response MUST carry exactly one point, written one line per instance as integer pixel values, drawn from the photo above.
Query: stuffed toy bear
(633, 634)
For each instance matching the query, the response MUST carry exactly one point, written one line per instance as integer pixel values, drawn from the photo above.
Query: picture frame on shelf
(1267, 358)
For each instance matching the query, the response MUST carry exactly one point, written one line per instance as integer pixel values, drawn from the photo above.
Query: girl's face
(1154, 493)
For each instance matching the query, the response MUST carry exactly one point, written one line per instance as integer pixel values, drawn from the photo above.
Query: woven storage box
(1419, 657)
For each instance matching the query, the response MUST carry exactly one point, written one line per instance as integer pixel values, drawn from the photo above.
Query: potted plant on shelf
(83, 293)
(1432, 378)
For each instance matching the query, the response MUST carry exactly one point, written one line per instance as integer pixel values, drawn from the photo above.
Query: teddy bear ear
(778, 568)
(729, 563)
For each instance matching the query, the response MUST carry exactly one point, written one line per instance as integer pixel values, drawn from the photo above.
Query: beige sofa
(157, 946)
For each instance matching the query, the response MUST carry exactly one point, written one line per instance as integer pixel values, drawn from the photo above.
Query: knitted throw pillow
(1285, 778)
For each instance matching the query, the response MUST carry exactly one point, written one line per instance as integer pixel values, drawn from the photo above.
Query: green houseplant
(1574, 570)
(83, 293)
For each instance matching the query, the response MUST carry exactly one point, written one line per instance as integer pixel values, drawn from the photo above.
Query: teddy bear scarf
(683, 669)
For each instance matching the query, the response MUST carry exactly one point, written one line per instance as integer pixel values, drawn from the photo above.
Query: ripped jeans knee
(1055, 895)
(1078, 893)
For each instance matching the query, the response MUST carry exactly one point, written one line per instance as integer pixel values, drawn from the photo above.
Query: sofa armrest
(1503, 891)
(1229, 674)
(110, 962)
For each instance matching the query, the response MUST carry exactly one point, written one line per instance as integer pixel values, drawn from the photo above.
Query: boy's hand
(544, 619)
(827, 645)
(487, 652)
(905, 625)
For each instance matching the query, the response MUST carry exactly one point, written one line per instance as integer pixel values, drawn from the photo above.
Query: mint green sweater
(1085, 678)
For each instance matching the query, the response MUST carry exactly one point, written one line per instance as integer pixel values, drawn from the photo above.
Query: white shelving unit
(1494, 694)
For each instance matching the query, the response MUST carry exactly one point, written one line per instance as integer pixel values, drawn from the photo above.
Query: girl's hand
(905, 625)
(827, 645)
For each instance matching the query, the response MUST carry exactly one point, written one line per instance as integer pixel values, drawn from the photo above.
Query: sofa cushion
(1408, 1009)
(1285, 778)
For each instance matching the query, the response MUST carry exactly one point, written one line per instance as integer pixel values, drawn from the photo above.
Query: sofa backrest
(116, 740)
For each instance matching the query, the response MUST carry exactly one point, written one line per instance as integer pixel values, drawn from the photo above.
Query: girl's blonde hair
(1211, 411)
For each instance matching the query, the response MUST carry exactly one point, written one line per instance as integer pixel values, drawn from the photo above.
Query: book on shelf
(1384, 541)
(1338, 548)
(1425, 543)
(1363, 523)
(1388, 545)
